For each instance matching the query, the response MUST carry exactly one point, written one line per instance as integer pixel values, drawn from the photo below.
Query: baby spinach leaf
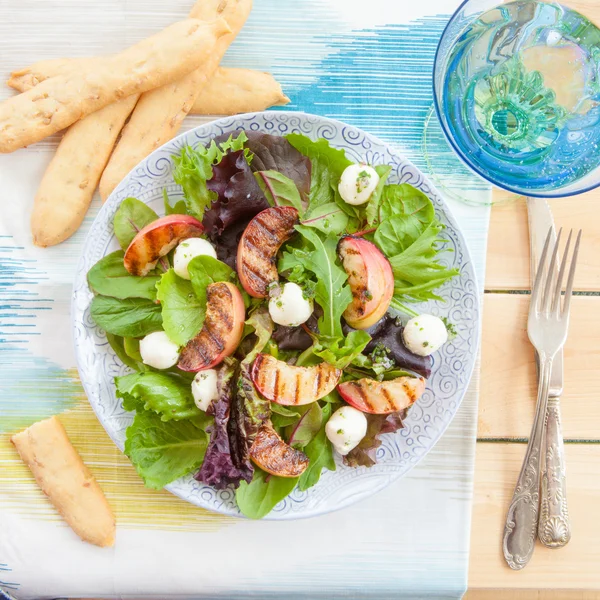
(131, 216)
(328, 218)
(109, 277)
(132, 317)
(320, 454)
(279, 190)
(164, 451)
(332, 293)
(258, 498)
(166, 394)
(182, 311)
(205, 270)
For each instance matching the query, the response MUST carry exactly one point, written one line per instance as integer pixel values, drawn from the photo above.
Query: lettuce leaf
(131, 317)
(364, 455)
(258, 498)
(109, 277)
(238, 195)
(182, 311)
(131, 216)
(219, 468)
(168, 395)
(117, 343)
(343, 351)
(164, 451)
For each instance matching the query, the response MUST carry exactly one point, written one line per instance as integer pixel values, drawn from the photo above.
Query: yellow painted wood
(531, 595)
(574, 567)
(508, 376)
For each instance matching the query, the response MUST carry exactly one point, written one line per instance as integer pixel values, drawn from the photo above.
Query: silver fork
(547, 327)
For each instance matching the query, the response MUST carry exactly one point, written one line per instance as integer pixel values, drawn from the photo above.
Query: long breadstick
(228, 92)
(58, 102)
(68, 483)
(158, 114)
(69, 183)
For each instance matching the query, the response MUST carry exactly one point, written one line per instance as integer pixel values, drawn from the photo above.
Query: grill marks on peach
(257, 250)
(291, 385)
(274, 456)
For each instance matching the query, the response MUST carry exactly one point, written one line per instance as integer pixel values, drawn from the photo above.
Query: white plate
(453, 364)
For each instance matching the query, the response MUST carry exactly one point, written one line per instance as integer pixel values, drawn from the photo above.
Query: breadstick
(228, 91)
(69, 183)
(60, 101)
(68, 483)
(158, 114)
(234, 91)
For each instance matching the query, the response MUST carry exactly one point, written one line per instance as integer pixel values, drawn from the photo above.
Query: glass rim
(465, 159)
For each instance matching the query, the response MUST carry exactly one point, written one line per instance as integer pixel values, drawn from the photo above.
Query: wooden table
(506, 407)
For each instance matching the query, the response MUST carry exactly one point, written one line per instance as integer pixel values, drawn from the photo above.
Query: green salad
(269, 317)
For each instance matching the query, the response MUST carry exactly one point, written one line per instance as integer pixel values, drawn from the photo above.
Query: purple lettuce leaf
(222, 465)
(239, 196)
(365, 454)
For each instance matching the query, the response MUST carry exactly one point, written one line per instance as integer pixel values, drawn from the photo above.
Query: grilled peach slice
(257, 250)
(273, 455)
(222, 330)
(158, 239)
(289, 385)
(371, 281)
(382, 397)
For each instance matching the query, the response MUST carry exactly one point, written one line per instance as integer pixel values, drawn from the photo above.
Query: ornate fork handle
(522, 519)
(554, 530)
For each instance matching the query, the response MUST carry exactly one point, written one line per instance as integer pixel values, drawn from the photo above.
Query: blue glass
(517, 92)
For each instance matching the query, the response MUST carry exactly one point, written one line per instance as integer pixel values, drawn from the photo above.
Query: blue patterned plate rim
(453, 365)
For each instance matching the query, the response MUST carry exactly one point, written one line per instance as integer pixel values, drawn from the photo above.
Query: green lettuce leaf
(319, 452)
(179, 208)
(342, 351)
(318, 255)
(258, 498)
(109, 277)
(193, 167)
(167, 395)
(182, 311)
(279, 190)
(132, 317)
(164, 451)
(131, 216)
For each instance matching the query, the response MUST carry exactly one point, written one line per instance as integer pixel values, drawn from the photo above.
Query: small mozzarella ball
(204, 388)
(425, 334)
(346, 428)
(158, 350)
(290, 307)
(357, 184)
(189, 249)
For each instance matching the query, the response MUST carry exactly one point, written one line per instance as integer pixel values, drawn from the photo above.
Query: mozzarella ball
(189, 249)
(425, 334)
(290, 307)
(346, 428)
(357, 184)
(159, 351)
(204, 388)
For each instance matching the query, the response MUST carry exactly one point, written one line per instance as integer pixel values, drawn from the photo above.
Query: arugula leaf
(301, 433)
(328, 218)
(320, 454)
(193, 168)
(258, 498)
(328, 165)
(131, 216)
(165, 394)
(279, 190)
(318, 255)
(164, 451)
(109, 277)
(117, 343)
(372, 210)
(343, 351)
(179, 208)
(132, 317)
(417, 272)
(182, 311)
